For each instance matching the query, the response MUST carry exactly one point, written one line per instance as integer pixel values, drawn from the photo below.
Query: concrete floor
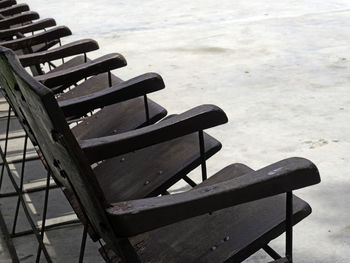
(280, 70)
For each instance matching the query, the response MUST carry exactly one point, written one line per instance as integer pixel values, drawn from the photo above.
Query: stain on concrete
(203, 50)
(316, 144)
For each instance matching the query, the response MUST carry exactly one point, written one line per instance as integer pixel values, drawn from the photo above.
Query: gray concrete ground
(279, 69)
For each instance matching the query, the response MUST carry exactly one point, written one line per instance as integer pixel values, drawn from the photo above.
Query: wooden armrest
(138, 216)
(196, 119)
(126, 90)
(44, 37)
(18, 19)
(35, 26)
(15, 9)
(90, 68)
(71, 49)
(7, 3)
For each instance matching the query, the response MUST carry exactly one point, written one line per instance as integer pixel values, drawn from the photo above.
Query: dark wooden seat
(152, 170)
(7, 34)
(7, 3)
(14, 10)
(120, 117)
(15, 39)
(227, 235)
(117, 118)
(123, 116)
(231, 216)
(75, 61)
(91, 85)
(24, 17)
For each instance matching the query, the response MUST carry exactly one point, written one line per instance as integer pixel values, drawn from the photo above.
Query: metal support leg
(272, 253)
(50, 67)
(85, 60)
(105, 252)
(110, 79)
(189, 181)
(21, 184)
(289, 227)
(83, 244)
(25, 210)
(43, 225)
(146, 108)
(60, 43)
(202, 151)
(6, 142)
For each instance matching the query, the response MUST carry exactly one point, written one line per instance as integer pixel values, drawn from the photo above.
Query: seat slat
(76, 61)
(117, 118)
(93, 84)
(150, 171)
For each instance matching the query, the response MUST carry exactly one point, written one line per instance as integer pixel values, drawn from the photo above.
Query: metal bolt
(213, 248)
(122, 159)
(160, 172)
(147, 182)
(56, 163)
(227, 238)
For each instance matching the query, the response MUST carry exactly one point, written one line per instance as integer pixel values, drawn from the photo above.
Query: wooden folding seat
(225, 219)
(13, 10)
(7, 3)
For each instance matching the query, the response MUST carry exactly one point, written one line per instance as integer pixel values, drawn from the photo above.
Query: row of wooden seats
(118, 162)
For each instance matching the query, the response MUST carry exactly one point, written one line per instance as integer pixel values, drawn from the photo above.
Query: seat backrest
(41, 113)
(5, 83)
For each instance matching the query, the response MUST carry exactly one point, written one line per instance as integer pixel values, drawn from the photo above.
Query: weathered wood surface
(281, 177)
(35, 26)
(71, 49)
(196, 119)
(18, 19)
(123, 91)
(40, 38)
(73, 62)
(95, 83)
(13, 10)
(90, 68)
(38, 47)
(152, 170)
(118, 118)
(227, 235)
(7, 3)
